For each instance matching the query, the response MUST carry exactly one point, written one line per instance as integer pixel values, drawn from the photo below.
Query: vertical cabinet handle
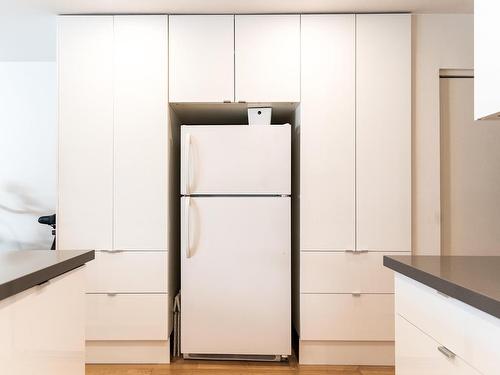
(446, 352)
(187, 154)
(186, 225)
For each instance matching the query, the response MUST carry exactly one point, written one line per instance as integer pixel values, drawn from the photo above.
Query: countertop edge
(25, 282)
(468, 296)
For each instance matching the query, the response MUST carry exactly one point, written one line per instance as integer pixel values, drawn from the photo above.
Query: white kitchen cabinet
(128, 317)
(140, 132)
(267, 58)
(486, 59)
(85, 164)
(128, 272)
(345, 272)
(201, 58)
(383, 132)
(346, 317)
(42, 328)
(327, 137)
(113, 177)
(417, 353)
(469, 333)
(355, 169)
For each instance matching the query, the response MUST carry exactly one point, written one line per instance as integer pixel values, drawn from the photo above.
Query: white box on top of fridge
(236, 241)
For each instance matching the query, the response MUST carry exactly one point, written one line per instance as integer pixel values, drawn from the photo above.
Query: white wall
(28, 128)
(440, 41)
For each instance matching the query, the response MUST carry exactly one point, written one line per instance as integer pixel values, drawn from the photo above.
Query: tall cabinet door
(201, 58)
(267, 58)
(85, 205)
(140, 129)
(383, 132)
(328, 136)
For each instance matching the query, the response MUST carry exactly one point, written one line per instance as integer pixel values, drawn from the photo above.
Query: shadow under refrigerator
(236, 241)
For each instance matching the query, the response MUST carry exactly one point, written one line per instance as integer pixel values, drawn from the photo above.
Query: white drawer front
(419, 354)
(345, 272)
(128, 272)
(368, 317)
(431, 312)
(126, 317)
(468, 332)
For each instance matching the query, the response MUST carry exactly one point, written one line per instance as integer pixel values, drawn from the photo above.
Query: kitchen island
(447, 314)
(42, 311)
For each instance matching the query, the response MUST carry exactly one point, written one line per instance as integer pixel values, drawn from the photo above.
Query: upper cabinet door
(85, 69)
(486, 59)
(383, 132)
(201, 58)
(267, 58)
(140, 127)
(327, 137)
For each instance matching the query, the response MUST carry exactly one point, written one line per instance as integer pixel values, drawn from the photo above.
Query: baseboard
(379, 353)
(127, 352)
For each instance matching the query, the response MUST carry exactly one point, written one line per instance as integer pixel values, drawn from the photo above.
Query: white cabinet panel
(222, 159)
(339, 272)
(235, 275)
(327, 137)
(417, 354)
(42, 328)
(267, 58)
(486, 59)
(126, 317)
(140, 132)
(128, 272)
(201, 58)
(85, 66)
(383, 131)
(368, 317)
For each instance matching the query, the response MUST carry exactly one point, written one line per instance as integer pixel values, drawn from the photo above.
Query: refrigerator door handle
(187, 154)
(186, 225)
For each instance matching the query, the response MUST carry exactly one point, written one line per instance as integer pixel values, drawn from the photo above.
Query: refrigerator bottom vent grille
(235, 357)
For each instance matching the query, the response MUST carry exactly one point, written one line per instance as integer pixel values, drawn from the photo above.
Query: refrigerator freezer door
(235, 159)
(235, 267)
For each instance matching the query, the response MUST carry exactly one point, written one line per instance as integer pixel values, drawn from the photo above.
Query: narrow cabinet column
(140, 129)
(383, 132)
(201, 58)
(327, 135)
(85, 182)
(267, 58)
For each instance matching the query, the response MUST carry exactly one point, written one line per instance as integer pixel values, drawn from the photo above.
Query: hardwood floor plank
(191, 367)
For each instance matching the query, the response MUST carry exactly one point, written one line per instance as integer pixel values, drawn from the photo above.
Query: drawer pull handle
(447, 353)
(43, 283)
(111, 294)
(112, 251)
(226, 101)
(356, 294)
(356, 251)
(442, 294)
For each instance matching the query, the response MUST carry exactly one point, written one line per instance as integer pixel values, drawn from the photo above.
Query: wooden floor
(191, 367)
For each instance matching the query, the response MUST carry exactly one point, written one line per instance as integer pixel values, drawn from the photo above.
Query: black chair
(50, 220)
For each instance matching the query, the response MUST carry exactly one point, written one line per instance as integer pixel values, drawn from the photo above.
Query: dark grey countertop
(23, 269)
(474, 280)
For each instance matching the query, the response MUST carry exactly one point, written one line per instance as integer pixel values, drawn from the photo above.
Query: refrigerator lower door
(235, 159)
(235, 276)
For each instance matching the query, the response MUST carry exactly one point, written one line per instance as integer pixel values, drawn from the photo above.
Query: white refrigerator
(236, 241)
